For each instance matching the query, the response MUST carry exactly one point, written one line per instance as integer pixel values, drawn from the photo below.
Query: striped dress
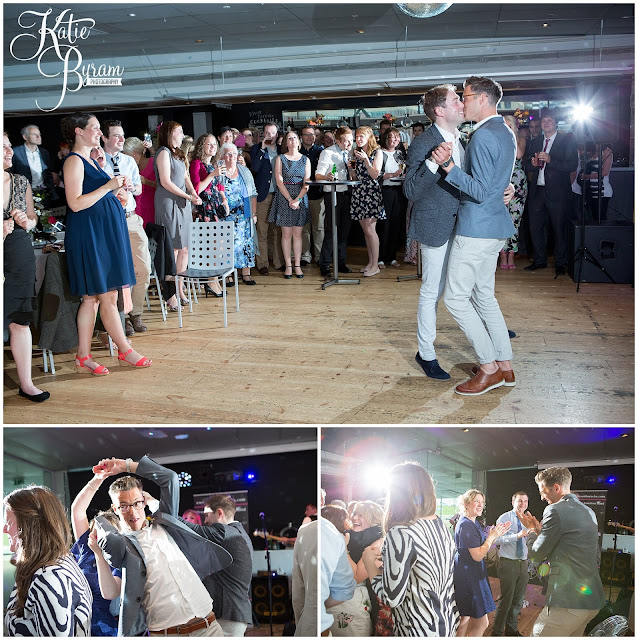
(58, 603)
(418, 565)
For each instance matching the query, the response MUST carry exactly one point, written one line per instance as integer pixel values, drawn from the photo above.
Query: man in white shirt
(163, 561)
(553, 156)
(304, 580)
(34, 162)
(336, 156)
(116, 161)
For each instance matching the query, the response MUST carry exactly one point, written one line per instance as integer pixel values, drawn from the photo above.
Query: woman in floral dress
(517, 203)
(235, 195)
(367, 201)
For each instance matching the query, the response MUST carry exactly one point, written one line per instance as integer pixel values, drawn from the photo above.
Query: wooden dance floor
(297, 354)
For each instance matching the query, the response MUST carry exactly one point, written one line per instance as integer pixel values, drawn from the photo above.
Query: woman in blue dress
(103, 622)
(98, 249)
(471, 585)
(289, 209)
(235, 193)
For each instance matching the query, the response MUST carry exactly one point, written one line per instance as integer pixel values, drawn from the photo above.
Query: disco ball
(423, 9)
(406, 122)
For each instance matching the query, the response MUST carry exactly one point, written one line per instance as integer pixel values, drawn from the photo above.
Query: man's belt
(189, 627)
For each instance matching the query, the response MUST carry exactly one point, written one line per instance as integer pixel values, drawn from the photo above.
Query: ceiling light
(624, 435)
(132, 15)
(360, 31)
(226, 6)
(181, 436)
(465, 430)
(546, 24)
(198, 41)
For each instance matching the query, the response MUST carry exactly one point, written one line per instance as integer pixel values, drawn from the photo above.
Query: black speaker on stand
(612, 244)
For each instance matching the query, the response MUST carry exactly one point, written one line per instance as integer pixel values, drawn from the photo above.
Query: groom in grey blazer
(568, 537)
(483, 225)
(434, 210)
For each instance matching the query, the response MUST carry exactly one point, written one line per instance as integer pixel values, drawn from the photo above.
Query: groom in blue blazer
(483, 225)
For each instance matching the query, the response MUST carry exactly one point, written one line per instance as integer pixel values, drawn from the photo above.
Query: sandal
(503, 257)
(141, 363)
(100, 369)
(298, 275)
(247, 279)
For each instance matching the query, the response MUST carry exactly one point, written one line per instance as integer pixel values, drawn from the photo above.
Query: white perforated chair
(211, 256)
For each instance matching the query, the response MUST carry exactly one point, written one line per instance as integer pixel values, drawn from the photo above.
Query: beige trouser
(212, 631)
(141, 262)
(266, 245)
(315, 225)
(558, 621)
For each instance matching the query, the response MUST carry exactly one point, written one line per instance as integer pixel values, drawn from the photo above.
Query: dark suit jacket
(435, 201)
(21, 166)
(569, 539)
(564, 160)
(230, 587)
(261, 168)
(122, 550)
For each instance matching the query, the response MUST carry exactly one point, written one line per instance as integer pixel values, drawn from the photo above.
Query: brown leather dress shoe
(264, 271)
(481, 383)
(508, 376)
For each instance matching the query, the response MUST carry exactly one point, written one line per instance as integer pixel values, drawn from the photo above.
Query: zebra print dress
(417, 583)
(59, 603)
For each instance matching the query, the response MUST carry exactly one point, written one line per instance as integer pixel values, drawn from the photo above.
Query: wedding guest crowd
(423, 581)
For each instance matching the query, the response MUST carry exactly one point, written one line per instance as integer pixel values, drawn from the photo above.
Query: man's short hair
(555, 475)
(341, 132)
(106, 126)
(489, 87)
(519, 493)
(125, 483)
(222, 501)
(271, 124)
(308, 126)
(25, 130)
(435, 97)
(418, 124)
(549, 113)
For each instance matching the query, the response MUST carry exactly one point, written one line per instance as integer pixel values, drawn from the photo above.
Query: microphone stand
(613, 560)
(262, 515)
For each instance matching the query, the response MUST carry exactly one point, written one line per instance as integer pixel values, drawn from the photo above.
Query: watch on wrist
(446, 163)
(128, 465)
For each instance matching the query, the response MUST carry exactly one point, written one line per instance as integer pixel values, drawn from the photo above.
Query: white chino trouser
(469, 296)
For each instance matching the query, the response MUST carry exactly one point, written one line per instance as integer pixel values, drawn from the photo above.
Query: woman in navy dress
(103, 622)
(97, 244)
(471, 585)
(289, 209)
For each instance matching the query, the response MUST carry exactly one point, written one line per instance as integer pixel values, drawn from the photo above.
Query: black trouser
(513, 577)
(343, 228)
(540, 209)
(390, 228)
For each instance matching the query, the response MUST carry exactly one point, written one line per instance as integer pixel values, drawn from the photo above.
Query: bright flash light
(583, 112)
(376, 476)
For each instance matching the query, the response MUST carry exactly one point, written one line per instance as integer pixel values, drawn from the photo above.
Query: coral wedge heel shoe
(141, 363)
(100, 369)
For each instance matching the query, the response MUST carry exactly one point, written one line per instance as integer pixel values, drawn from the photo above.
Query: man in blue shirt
(337, 580)
(512, 569)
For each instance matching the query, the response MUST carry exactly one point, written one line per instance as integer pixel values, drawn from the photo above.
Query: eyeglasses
(136, 505)
(462, 98)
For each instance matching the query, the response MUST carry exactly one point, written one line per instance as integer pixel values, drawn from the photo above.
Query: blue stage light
(611, 479)
(250, 476)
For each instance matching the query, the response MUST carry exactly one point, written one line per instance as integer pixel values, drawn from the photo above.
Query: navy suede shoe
(431, 368)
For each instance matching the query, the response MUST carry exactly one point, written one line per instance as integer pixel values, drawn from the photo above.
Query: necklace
(235, 173)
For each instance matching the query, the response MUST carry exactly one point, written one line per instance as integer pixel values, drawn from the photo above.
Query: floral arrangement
(317, 120)
(389, 116)
(522, 117)
(46, 220)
